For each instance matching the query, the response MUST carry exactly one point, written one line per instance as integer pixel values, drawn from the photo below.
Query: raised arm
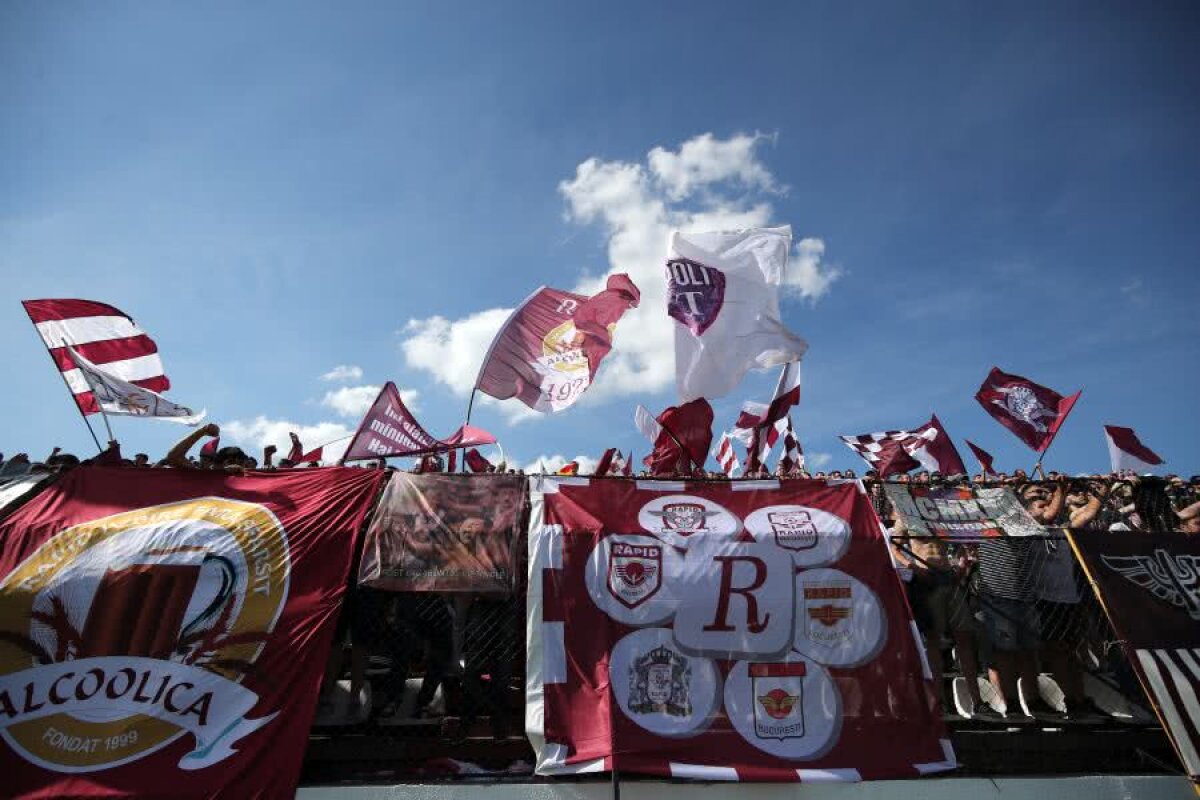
(177, 455)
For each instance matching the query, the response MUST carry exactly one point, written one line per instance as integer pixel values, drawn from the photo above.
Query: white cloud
(637, 205)
(343, 373)
(353, 401)
(707, 160)
(555, 462)
(1134, 292)
(253, 435)
(806, 275)
(815, 461)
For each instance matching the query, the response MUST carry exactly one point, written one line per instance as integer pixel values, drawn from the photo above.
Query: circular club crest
(661, 689)
(564, 367)
(811, 536)
(627, 579)
(839, 621)
(676, 518)
(789, 708)
(159, 610)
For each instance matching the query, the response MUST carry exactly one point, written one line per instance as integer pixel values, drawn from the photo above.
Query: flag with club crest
(547, 353)
(1033, 413)
(116, 397)
(723, 293)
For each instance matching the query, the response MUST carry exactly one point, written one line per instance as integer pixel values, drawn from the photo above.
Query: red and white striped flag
(1127, 452)
(105, 336)
(727, 457)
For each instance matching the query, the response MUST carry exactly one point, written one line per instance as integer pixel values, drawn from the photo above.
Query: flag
(452, 461)
(983, 457)
(569, 468)
(759, 441)
(935, 450)
(477, 462)
(193, 614)
(211, 447)
(297, 452)
(118, 397)
(390, 429)
(606, 462)
(683, 438)
(547, 353)
(1032, 412)
(723, 293)
(883, 451)
(627, 467)
(105, 336)
(312, 456)
(787, 395)
(792, 458)
(726, 456)
(1127, 452)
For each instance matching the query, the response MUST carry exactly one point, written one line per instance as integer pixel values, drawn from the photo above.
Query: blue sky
(275, 189)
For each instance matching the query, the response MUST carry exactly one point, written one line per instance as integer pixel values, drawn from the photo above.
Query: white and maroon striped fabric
(1172, 678)
(792, 457)
(726, 456)
(102, 334)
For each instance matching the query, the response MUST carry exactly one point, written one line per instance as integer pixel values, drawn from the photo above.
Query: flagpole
(63, 375)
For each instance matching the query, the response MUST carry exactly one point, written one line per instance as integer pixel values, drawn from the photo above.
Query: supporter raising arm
(177, 455)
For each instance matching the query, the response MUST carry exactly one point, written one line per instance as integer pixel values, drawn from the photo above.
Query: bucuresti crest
(121, 635)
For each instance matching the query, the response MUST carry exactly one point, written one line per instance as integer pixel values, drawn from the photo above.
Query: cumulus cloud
(555, 462)
(255, 434)
(353, 401)
(706, 184)
(343, 373)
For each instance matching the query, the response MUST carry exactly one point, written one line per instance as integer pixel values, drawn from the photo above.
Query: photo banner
(164, 632)
(969, 512)
(444, 533)
(749, 631)
(1149, 585)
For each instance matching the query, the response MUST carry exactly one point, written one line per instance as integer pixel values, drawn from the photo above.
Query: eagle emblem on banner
(778, 699)
(634, 572)
(828, 609)
(1171, 578)
(1020, 402)
(695, 294)
(660, 682)
(684, 518)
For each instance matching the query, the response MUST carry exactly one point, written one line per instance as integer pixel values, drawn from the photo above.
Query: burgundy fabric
(390, 429)
(942, 449)
(888, 718)
(477, 462)
(1033, 412)
(689, 426)
(274, 552)
(983, 456)
(605, 461)
(1127, 440)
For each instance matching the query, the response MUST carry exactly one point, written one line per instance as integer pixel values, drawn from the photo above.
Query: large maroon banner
(164, 632)
(753, 630)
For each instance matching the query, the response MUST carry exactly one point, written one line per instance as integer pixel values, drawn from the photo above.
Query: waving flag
(1032, 412)
(681, 437)
(792, 458)
(605, 464)
(1127, 452)
(726, 456)
(935, 450)
(105, 336)
(118, 397)
(548, 351)
(390, 429)
(723, 293)
(892, 452)
(983, 457)
(477, 462)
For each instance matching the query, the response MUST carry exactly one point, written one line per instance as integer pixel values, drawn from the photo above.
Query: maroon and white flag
(102, 334)
(738, 631)
(723, 293)
(390, 429)
(1033, 413)
(792, 458)
(548, 351)
(891, 452)
(1127, 452)
(727, 457)
(605, 464)
(935, 450)
(681, 436)
(983, 457)
(477, 462)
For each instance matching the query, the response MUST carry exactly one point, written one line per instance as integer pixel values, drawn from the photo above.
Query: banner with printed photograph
(444, 533)
(164, 632)
(748, 631)
(960, 511)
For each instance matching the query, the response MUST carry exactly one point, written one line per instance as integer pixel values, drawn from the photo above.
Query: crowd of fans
(1006, 608)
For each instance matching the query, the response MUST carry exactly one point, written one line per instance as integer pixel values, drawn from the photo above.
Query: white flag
(120, 397)
(647, 424)
(723, 293)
